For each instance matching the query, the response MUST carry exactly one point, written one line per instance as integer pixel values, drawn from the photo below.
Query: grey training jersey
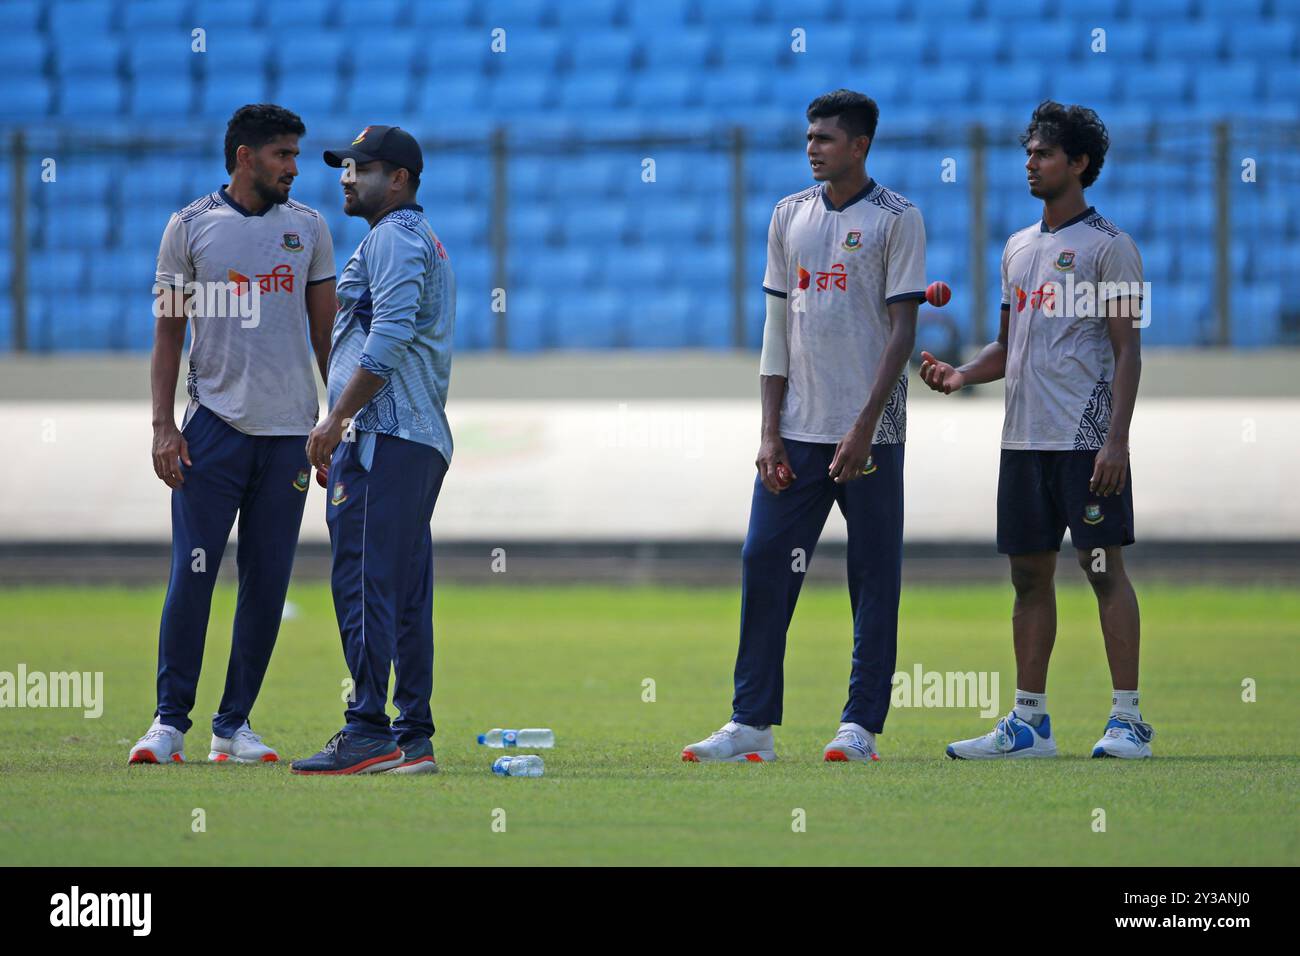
(255, 373)
(838, 269)
(1060, 366)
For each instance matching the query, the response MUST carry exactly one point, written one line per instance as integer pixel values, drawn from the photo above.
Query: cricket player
(1069, 351)
(387, 445)
(845, 274)
(252, 271)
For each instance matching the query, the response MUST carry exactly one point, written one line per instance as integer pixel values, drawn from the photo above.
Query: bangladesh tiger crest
(869, 467)
(1065, 261)
(340, 495)
(853, 241)
(291, 242)
(1092, 514)
(301, 482)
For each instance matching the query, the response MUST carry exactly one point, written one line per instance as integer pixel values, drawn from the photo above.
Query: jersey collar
(225, 197)
(863, 194)
(1042, 223)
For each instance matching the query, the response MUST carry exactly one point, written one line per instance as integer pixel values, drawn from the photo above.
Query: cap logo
(361, 135)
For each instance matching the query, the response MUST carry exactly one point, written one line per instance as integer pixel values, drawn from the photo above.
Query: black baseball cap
(391, 143)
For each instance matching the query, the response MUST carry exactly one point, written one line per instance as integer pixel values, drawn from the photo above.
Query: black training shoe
(351, 753)
(417, 757)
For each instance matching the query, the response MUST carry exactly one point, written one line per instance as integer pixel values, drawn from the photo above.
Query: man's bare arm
(322, 305)
(988, 366)
(1110, 469)
(169, 446)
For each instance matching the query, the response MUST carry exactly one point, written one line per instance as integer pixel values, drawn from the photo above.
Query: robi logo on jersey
(836, 278)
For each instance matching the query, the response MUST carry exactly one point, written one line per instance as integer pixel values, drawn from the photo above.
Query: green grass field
(1223, 789)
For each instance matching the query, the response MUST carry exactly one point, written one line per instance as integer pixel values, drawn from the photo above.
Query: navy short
(1040, 493)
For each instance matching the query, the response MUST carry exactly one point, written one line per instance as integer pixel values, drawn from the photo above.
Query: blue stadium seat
(450, 52)
(943, 11)
(88, 323)
(662, 16)
(1127, 43)
(751, 47)
(224, 93)
(1261, 41)
(1161, 82)
(23, 53)
(286, 19)
(677, 48)
(591, 91)
(1177, 314)
(672, 222)
(58, 273)
(1281, 82)
(518, 13)
(595, 320)
(146, 97)
(73, 56)
(530, 53)
(508, 98)
(1256, 315)
(587, 15)
(68, 18)
(646, 266)
(299, 54)
(1232, 11)
(527, 313)
(826, 44)
(233, 49)
(90, 96)
(1016, 84)
(975, 42)
(150, 15)
(884, 84)
(941, 85)
(602, 50)
(18, 17)
(1226, 86)
(444, 13)
(531, 226)
(1193, 41)
(734, 88)
(308, 98)
(242, 14)
(554, 267)
(1163, 11)
(28, 97)
(704, 265)
(161, 55)
(451, 94)
(372, 16)
(79, 180)
(597, 225)
(889, 44)
(1091, 83)
(86, 226)
(730, 12)
(1049, 42)
(1024, 12)
(659, 89)
(373, 52)
(665, 320)
(372, 94)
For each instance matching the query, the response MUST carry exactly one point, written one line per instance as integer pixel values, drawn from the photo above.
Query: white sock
(1124, 703)
(1031, 707)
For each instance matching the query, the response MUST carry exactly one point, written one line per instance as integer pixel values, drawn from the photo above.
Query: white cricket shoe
(244, 747)
(853, 742)
(1012, 737)
(734, 743)
(161, 744)
(1125, 737)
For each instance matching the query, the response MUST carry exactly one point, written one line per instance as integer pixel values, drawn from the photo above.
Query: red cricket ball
(937, 294)
(323, 477)
(783, 475)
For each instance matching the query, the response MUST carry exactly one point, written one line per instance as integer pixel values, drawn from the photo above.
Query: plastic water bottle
(539, 738)
(524, 765)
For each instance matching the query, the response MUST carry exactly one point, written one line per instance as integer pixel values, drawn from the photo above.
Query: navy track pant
(382, 580)
(263, 479)
(783, 533)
